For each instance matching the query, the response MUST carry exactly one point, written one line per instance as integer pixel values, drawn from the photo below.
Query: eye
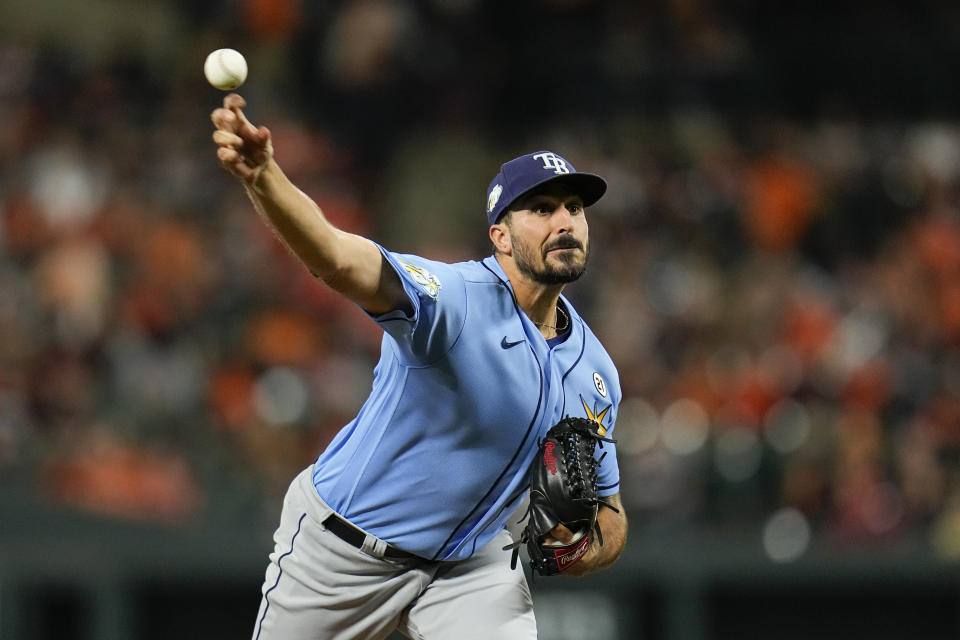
(541, 209)
(575, 208)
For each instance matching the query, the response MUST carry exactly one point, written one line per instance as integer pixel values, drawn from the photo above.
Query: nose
(562, 219)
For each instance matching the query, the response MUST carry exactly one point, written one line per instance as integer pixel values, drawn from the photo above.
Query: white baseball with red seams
(225, 69)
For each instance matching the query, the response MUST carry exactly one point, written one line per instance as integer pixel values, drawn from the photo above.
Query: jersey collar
(491, 263)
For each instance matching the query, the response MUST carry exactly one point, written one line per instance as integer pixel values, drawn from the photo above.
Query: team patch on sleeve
(423, 278)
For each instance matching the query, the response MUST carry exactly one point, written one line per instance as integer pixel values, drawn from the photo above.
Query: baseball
(225, 69)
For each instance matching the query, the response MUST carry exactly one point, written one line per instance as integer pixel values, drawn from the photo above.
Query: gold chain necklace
(558, 328)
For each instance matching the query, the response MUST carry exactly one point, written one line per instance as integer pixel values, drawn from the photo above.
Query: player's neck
(538, 301)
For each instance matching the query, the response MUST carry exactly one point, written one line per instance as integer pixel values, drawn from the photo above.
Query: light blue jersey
(438, 457)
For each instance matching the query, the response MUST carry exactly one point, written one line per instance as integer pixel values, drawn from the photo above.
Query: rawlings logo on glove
(549, 460)
(563, 490)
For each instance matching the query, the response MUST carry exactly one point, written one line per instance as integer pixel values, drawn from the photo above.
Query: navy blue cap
(520, 175)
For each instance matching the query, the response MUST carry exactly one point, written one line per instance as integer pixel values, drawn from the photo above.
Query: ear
(500, 237)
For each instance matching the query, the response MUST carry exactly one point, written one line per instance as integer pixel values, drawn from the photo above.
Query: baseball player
(400, 523)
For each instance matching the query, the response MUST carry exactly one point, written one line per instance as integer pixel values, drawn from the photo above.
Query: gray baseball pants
(321, 587)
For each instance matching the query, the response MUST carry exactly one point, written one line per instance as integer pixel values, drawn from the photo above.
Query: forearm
(613, 525)
(301, 225)
(349, 264)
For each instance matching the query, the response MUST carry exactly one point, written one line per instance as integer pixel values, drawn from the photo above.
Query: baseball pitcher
(490, 387)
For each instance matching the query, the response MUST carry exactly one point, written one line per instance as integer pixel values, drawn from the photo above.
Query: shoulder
(430, 276)
(592, 347)
(436, 273)
(469, 270)
(474, 271)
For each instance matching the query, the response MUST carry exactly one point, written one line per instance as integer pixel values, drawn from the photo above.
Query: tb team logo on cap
(520, 175)
(553, 161)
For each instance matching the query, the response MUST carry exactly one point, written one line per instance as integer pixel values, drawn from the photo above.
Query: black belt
(350, 534)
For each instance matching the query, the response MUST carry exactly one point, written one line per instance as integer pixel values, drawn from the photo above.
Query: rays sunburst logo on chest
(596, 415)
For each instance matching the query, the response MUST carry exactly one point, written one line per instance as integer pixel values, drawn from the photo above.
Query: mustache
(563, 243)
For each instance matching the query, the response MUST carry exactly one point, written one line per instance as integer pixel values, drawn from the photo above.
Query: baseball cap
(522, 174)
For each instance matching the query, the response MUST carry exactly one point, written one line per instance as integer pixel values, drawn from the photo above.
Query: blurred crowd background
(775, 268)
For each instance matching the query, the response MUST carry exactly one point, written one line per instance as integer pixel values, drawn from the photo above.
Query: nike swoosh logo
(506, 345)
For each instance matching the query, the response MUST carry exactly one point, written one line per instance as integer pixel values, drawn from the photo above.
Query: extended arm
(347, 263)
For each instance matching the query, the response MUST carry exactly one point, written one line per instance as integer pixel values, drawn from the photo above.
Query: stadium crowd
(775, 268)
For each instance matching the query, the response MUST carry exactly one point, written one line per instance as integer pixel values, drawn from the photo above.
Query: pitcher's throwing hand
(243, 148)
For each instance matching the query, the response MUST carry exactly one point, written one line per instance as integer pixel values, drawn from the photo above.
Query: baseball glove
(563, 490)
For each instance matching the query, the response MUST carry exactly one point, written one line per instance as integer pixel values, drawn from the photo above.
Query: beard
(542, 272)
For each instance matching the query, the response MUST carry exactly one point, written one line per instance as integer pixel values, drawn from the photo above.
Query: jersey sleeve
(437, 296)
(608, 473)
